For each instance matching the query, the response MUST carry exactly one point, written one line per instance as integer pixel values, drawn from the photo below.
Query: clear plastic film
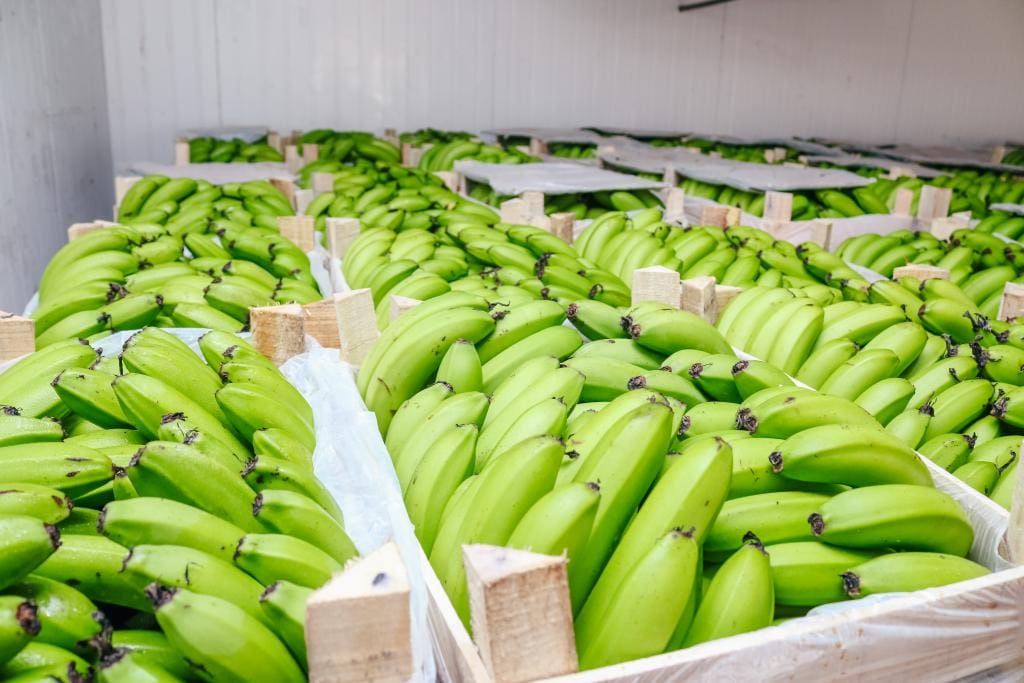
(939, 155)
(551, 178)
(1008, 208)
(216, 173)
(800, 145)
(569, 135)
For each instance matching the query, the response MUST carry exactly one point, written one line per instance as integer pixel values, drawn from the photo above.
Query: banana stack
(202, 150)
(204, 267)
(672, 474)
(336, 149)
(432, 136)
(160, 515)
(442, 156)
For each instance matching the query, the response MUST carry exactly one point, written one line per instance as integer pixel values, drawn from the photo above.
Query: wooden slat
(357, 324)
(17, 336)
(657, 283)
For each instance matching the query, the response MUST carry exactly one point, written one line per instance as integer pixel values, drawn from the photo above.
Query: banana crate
(523, 627)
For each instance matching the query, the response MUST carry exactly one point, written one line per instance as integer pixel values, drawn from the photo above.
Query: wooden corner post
(933, 202)
(1012, 305)
(1015, 529)
(278, 332)
(300, 230)
(182, 153)
(341, 232)
(359, 625)
(520, 612)
(357, 324)
(17, 336)
(657, 283)
(698, 296)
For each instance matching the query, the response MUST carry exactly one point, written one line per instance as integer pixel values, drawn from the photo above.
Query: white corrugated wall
(874, 70)
(54, 144)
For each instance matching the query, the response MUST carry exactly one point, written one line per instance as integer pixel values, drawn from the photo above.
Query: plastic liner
(351, 461)
(1009, 208)
(215, 173)
(741, 175)
(551, 178)
(874, 162)
(572, 135)
(245, 133)
(637, 133)
(937, 155)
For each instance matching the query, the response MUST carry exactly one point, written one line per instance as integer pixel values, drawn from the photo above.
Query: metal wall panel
(55, 161)
(874, 70)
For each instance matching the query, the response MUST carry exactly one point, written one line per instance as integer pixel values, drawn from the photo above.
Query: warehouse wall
(54, 139)
(875, 70)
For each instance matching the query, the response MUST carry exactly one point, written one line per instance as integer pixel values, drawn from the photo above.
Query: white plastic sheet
(1009, 208)
(738, 174)
(246, 133)
(551, 178)
(874, 162)
(938, 155)
(216, 173)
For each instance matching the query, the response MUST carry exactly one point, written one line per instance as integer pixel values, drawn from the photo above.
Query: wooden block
(17, 336)
(778, 207)
(561, 225)
(670, 176)
(674, 204)
(534, 203)
(538, 147)
(933, 202)
(520, 613)
(657, 283)
(721, 216)
(525, 149)
(723, 295)
(921, 271)
(401, 304)
(341, 232)
(278, 331)
(320, 321)
(300, 230)
(514, 211)
(944, 227)
(292, 160)
(303, 198)
(1015, 529)
(1012, 305)
(357, 324)
(451, 179)
(122, 184)
(285, 186)
(78, 229)
(697, 295)
(310, 153)
(391, 135)
(998, 152)
(605, 150)
(817, 231)
(904, 200)
(182, 157)
(322, 182)
(896, 172)
(358, 625)
(274, 140)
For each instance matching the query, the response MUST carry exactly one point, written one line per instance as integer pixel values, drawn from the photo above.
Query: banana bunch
(654, 459)
(975, 190)
(432, 136)
(346, 146)
(395, 198)
(750, 153)
(203, 150)
(571, 150)
(588, 205)
(442, 156)
(184, 205)
(160, 517)
(128, 277)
